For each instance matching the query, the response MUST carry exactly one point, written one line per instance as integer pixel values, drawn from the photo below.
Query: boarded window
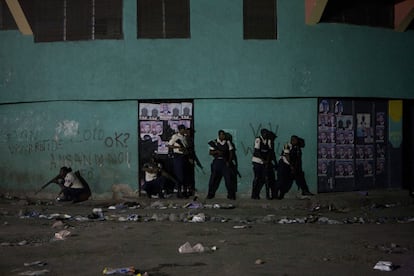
(163, 18)
(259, 19)
(49, 20)
(6, 18)
(108, 19)
(62, 20)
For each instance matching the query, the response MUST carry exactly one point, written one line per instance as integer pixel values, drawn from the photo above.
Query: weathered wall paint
(99, 139)
(244, 119)
(272, 83)
(305, 61)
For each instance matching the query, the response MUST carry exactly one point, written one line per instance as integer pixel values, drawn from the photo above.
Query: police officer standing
(262, 164)
(178, 144)
(295, 159)
(222, 150)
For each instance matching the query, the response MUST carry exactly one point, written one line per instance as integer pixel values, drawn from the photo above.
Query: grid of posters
(159, 121)
(352, 144)
(336, 147)
(380, 144)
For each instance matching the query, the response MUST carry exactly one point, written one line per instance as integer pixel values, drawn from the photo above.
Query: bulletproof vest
(263, 151)
(296, 157)
(224, 149)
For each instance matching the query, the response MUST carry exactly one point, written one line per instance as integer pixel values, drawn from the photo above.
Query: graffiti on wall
(63, 148)
(247, 147)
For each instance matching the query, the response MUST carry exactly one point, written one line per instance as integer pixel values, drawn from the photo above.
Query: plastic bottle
(122, 270)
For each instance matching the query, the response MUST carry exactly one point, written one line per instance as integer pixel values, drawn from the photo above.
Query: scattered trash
(36, 263)
(21, 243)
(24, 242)
(259, 262)
(199, 218)
(315, 208)
(34, 272)
(62, 235)
(158, 205)
(81, 218)
(58, 216)
(193, 205)
(219, 219)
(383, 206)
(409, 220)
(325, 220)
(187, 248)
(57, 224)
(287, 221)
(219, 206)
(241, 226)
(29, 214)
(392, 249)
(384, 266)
(160, 217)
(98, 212)
(133, 217)
(123, 270)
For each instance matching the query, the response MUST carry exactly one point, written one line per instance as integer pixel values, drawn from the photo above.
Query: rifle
(53, 180)
(153, 167)
(190, 152)
(233, 166)
(183, 147)
(198, 163)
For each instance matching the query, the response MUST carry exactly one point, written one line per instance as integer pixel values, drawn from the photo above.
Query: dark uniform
(295, 159)
(154, 181)
(262, 165)
(221, 150)
(178, 143)
(192, 161)
(284, 174)
(234, 171)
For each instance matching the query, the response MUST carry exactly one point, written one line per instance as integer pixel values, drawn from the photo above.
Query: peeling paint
(67, 128)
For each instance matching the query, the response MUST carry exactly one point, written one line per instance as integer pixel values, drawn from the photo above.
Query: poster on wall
(323, 167)
(381, 143)
(159, 121)
(326, 145)
(336, 145)
(149, 111)
(352, 142)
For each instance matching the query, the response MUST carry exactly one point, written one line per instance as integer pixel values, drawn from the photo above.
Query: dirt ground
(327, 234)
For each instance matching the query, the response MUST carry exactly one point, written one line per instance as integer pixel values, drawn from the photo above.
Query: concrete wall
(244, 119)
(99, 139)
(305, 61)
(91, 89)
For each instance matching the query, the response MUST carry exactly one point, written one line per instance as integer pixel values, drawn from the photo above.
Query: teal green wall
(305, 61)
(97, 138)
(100, 139)
(244, 119)
(249, 83)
